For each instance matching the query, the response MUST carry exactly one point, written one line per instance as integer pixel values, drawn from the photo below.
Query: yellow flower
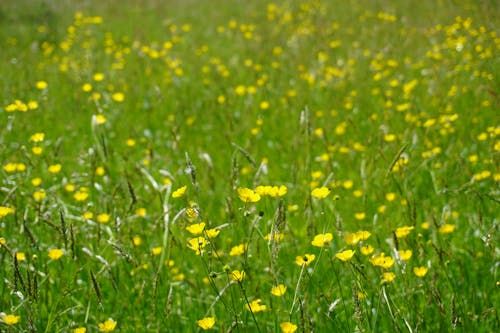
(320, 192)
(39, 195)
(107, 326)
(55, 254)
(4, 211)
(98, 76)
(288, 327)
(41, 85)
(237, 275)
(381, 260)
(446, 229)
(367, 250)
(196, 229)
(103, 218)
(118, 97)
(179, 192)
(100, 171)
(322, 239)
(20, 256)
(55, 168)
(279, 290)
(405, 254)
(238, 250)
(197, 244)
(141, 212)
(156, 250)
(388, 276)
(212, 233)
(402, 232)
(360, 216)
(10, 319)
(37, 137)
(80, 195)
(306, 259)
(80, 330)
(98, 119)
(248, 195)
(37, 150)
(137, 240)
(206, 323)
(420, 271)
(345, 255)
(255, 306)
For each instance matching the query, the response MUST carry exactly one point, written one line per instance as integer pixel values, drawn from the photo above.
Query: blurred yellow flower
(388, 276)
(10, 319)
(446, 229)
(322, 240)
(103, 218)
(107, 326)
(80, 330)
(196, 229)
(402, 232)
(405, 254)
(288, 327)
(197, 244)
(41, 85)
(179, 192)
(420, 271)
(279, 290)
(118, 97)
(345, 255)
(237, 275)
(255, 306)
(306, 259)
(248, 195)
(320, 192)
(54, 168)
(55, 254)
(238, 250)
(206, 323)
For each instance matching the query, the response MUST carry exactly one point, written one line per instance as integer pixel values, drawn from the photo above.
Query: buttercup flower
(206, 323)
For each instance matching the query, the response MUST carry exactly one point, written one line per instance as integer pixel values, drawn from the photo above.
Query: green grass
(389, 108)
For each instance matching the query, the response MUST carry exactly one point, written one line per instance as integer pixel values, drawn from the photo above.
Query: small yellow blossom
(420, 271)
(306, 259)
(39, 195)
(4, 211)
(37, 137)
(238, 250)
(212, 233)
(360, 216)
(10, 319)
(100, 171)
(405, 254)
(248, 195)
(55, 168)
(107, 326)
(197, 244)
(156, 250)
(41, 85)
(80, 195)
(367, 250)
(37, 150)
(141, 212)
(382, 261)
(206, 323)
(196, 229)
(137, 240)
(402, 232)
(322, 240)
(179, 192)
(320, 192)
(345, 255)
(80, 330)
(237, 275)
(388, 276)
(446, 229)
(279, 290)
(118, 97)
(98, 119)
(255, 306)
(20, 256)
(287, 327)
(103, 218)
(55, 254)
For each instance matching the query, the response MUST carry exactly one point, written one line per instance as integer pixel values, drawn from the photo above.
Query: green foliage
(190, 158)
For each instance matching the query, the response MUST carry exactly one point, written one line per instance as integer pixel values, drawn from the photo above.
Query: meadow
(249, 166)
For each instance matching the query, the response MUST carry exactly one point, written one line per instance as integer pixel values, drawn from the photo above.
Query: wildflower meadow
(249, 166)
